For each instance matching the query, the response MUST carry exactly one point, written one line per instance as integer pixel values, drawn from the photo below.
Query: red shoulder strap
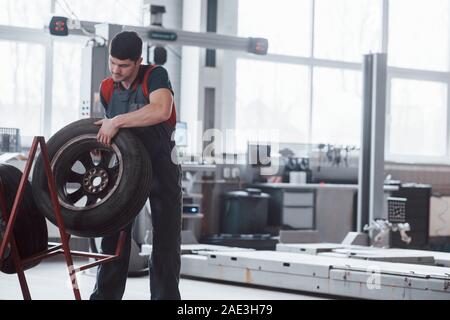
(173, 116)
(106, 89)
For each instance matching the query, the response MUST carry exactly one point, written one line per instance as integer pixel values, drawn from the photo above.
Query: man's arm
(158, 110)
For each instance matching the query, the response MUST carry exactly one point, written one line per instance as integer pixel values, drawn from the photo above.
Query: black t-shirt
(158, 79)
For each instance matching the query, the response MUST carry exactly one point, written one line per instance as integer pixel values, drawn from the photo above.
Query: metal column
(371, 161)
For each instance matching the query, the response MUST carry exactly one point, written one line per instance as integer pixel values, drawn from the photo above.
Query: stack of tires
(30, 229)
(100, 188)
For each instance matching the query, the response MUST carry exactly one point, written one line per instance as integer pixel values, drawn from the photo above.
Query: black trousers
(165, 202)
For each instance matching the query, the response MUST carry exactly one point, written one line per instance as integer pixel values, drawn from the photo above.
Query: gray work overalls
(165, 201)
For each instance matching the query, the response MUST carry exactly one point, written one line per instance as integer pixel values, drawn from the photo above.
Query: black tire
(30, 228)
(124, 173)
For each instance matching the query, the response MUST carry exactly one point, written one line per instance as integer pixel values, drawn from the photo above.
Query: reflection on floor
(49, 281)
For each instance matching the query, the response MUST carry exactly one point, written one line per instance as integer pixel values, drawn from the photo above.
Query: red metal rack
(53, 249)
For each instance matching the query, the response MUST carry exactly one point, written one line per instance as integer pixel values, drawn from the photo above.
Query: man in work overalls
(140, 97)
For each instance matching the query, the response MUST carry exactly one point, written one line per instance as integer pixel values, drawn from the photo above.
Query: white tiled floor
(49, 281)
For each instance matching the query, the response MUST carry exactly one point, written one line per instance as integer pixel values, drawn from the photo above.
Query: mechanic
(140, 97)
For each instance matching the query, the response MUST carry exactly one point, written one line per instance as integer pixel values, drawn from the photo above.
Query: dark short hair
(126, 45)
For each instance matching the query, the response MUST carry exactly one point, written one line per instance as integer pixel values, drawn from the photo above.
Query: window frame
(420, 75)
(392, 72)
(36, 36)
(40, 36)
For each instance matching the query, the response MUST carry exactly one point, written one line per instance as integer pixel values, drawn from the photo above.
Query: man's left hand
(107, 131)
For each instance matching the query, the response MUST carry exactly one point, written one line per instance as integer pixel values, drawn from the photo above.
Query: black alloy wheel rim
(86, 172)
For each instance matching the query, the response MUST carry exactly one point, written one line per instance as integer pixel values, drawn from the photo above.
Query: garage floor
(49, 281)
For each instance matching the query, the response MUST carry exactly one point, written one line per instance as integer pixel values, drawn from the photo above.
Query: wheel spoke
(76, 196)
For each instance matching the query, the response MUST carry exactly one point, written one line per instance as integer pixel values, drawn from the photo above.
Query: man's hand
(107, 131)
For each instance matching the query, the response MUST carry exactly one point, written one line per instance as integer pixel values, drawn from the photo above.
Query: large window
(111, 11)
(66, 83)
(285, 23)
(346, 29)
(418, 121)
(419, 34)
(330, 38)
(24, 13)
(278, 101)
(40, 91)
(418, 48)
(22, 89)
(336, 106)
